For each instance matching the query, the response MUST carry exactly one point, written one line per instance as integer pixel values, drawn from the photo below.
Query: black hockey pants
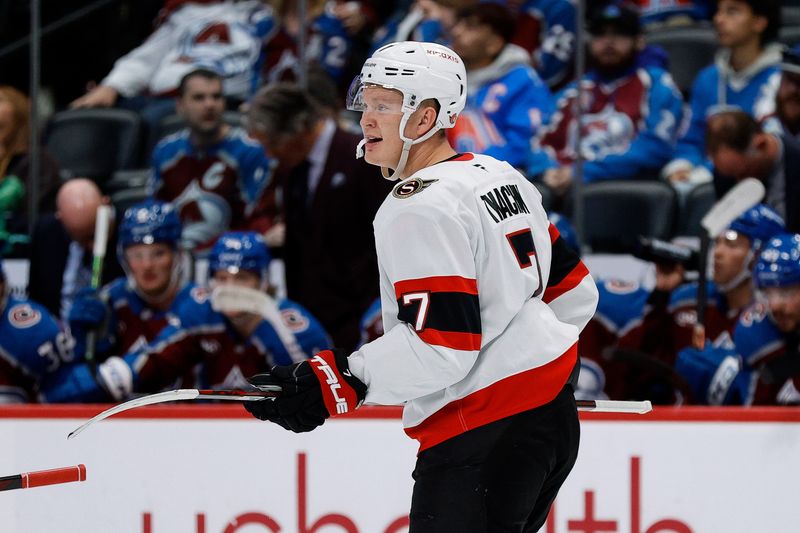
(501, 477)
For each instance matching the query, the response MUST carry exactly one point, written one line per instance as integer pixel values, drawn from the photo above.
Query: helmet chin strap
(407, 144)
(743, 275)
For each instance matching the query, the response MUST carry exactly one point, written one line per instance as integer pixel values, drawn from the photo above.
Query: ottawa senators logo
(24, 316)
(411, 187)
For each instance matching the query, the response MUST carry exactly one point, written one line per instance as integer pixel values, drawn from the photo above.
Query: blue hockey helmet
(567, 231)
(778, 264)
(149, 222)
(759, 224)
(240, 250)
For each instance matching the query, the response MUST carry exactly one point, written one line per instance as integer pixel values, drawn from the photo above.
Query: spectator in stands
(424, 20)
(744, 76)
(330, 200)
(761, 365)
(212, 340)
(739, 148)
(335, 31)
(221, 35)
(507, 103)
(15, 165)
(131, 310)
(684, 12)
(61, 248)
(630, 113)
(213, 173)
(670, 317)
(546, 29)
(787, 101)
(33, 346)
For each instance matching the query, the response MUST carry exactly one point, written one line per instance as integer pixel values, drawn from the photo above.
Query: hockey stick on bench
(598, 406)
(746, 194)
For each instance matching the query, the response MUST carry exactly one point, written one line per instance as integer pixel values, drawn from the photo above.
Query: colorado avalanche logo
(24, 316)
(411, 187)
(204, 214)
(606, 133)
(294, 320)
(199, 294)
(619, 286)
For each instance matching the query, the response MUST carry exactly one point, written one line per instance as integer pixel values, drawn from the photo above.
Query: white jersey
(482, 301)
(226, 37)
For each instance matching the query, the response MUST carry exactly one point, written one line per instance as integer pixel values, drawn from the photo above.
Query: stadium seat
(615, 213)
(790, 15)
(790, 35)
(690, 49)
(127, 179)
(126, 198)
(94, 143)
(174, 123)
(697, 203)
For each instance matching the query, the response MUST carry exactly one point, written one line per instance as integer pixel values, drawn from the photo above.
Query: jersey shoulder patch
(410, 187)
(23, 316)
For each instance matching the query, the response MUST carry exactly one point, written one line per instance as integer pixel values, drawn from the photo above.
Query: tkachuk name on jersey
(411, 187)
(503, 202)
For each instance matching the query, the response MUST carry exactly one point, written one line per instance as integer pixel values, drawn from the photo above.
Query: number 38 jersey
(482, 301)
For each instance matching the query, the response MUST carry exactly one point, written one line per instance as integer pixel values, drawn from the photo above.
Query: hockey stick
(225, 298)
(614, 406)
(98, 256)
(598, 406)
(175, 395)
(736, 201)
(40, 478)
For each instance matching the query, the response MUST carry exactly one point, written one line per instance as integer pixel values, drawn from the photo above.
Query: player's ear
(426, 120)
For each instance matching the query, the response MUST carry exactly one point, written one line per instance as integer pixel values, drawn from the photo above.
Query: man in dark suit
(740, 148)
(329, 201)
(61, 248)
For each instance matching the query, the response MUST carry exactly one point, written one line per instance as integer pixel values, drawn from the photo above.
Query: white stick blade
(161, 397)
(746, 194)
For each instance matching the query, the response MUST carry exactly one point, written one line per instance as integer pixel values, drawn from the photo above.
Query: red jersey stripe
(514, 394)
(554, 234)
(436, 284)
(569, 282)
(463, 157)
(451, 339)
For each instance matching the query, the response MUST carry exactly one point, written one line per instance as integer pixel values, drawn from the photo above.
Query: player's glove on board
(312, 391)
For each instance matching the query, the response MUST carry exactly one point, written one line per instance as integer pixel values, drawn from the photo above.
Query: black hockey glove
(312, 391)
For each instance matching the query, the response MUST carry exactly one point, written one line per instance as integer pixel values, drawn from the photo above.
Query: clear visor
(364, 97)
(147, 254)
(774, 295)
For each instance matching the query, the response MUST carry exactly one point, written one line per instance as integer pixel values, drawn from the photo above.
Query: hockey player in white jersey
(482, 305)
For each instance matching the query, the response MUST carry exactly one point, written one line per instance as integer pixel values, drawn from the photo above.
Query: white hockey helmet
(420, 71)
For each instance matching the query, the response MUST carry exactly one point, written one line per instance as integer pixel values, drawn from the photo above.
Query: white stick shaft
(615, 406)
(746, 194)
(101, 230)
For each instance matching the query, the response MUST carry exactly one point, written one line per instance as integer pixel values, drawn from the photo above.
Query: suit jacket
(48, 258)
(791, 169)
(331, 265)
